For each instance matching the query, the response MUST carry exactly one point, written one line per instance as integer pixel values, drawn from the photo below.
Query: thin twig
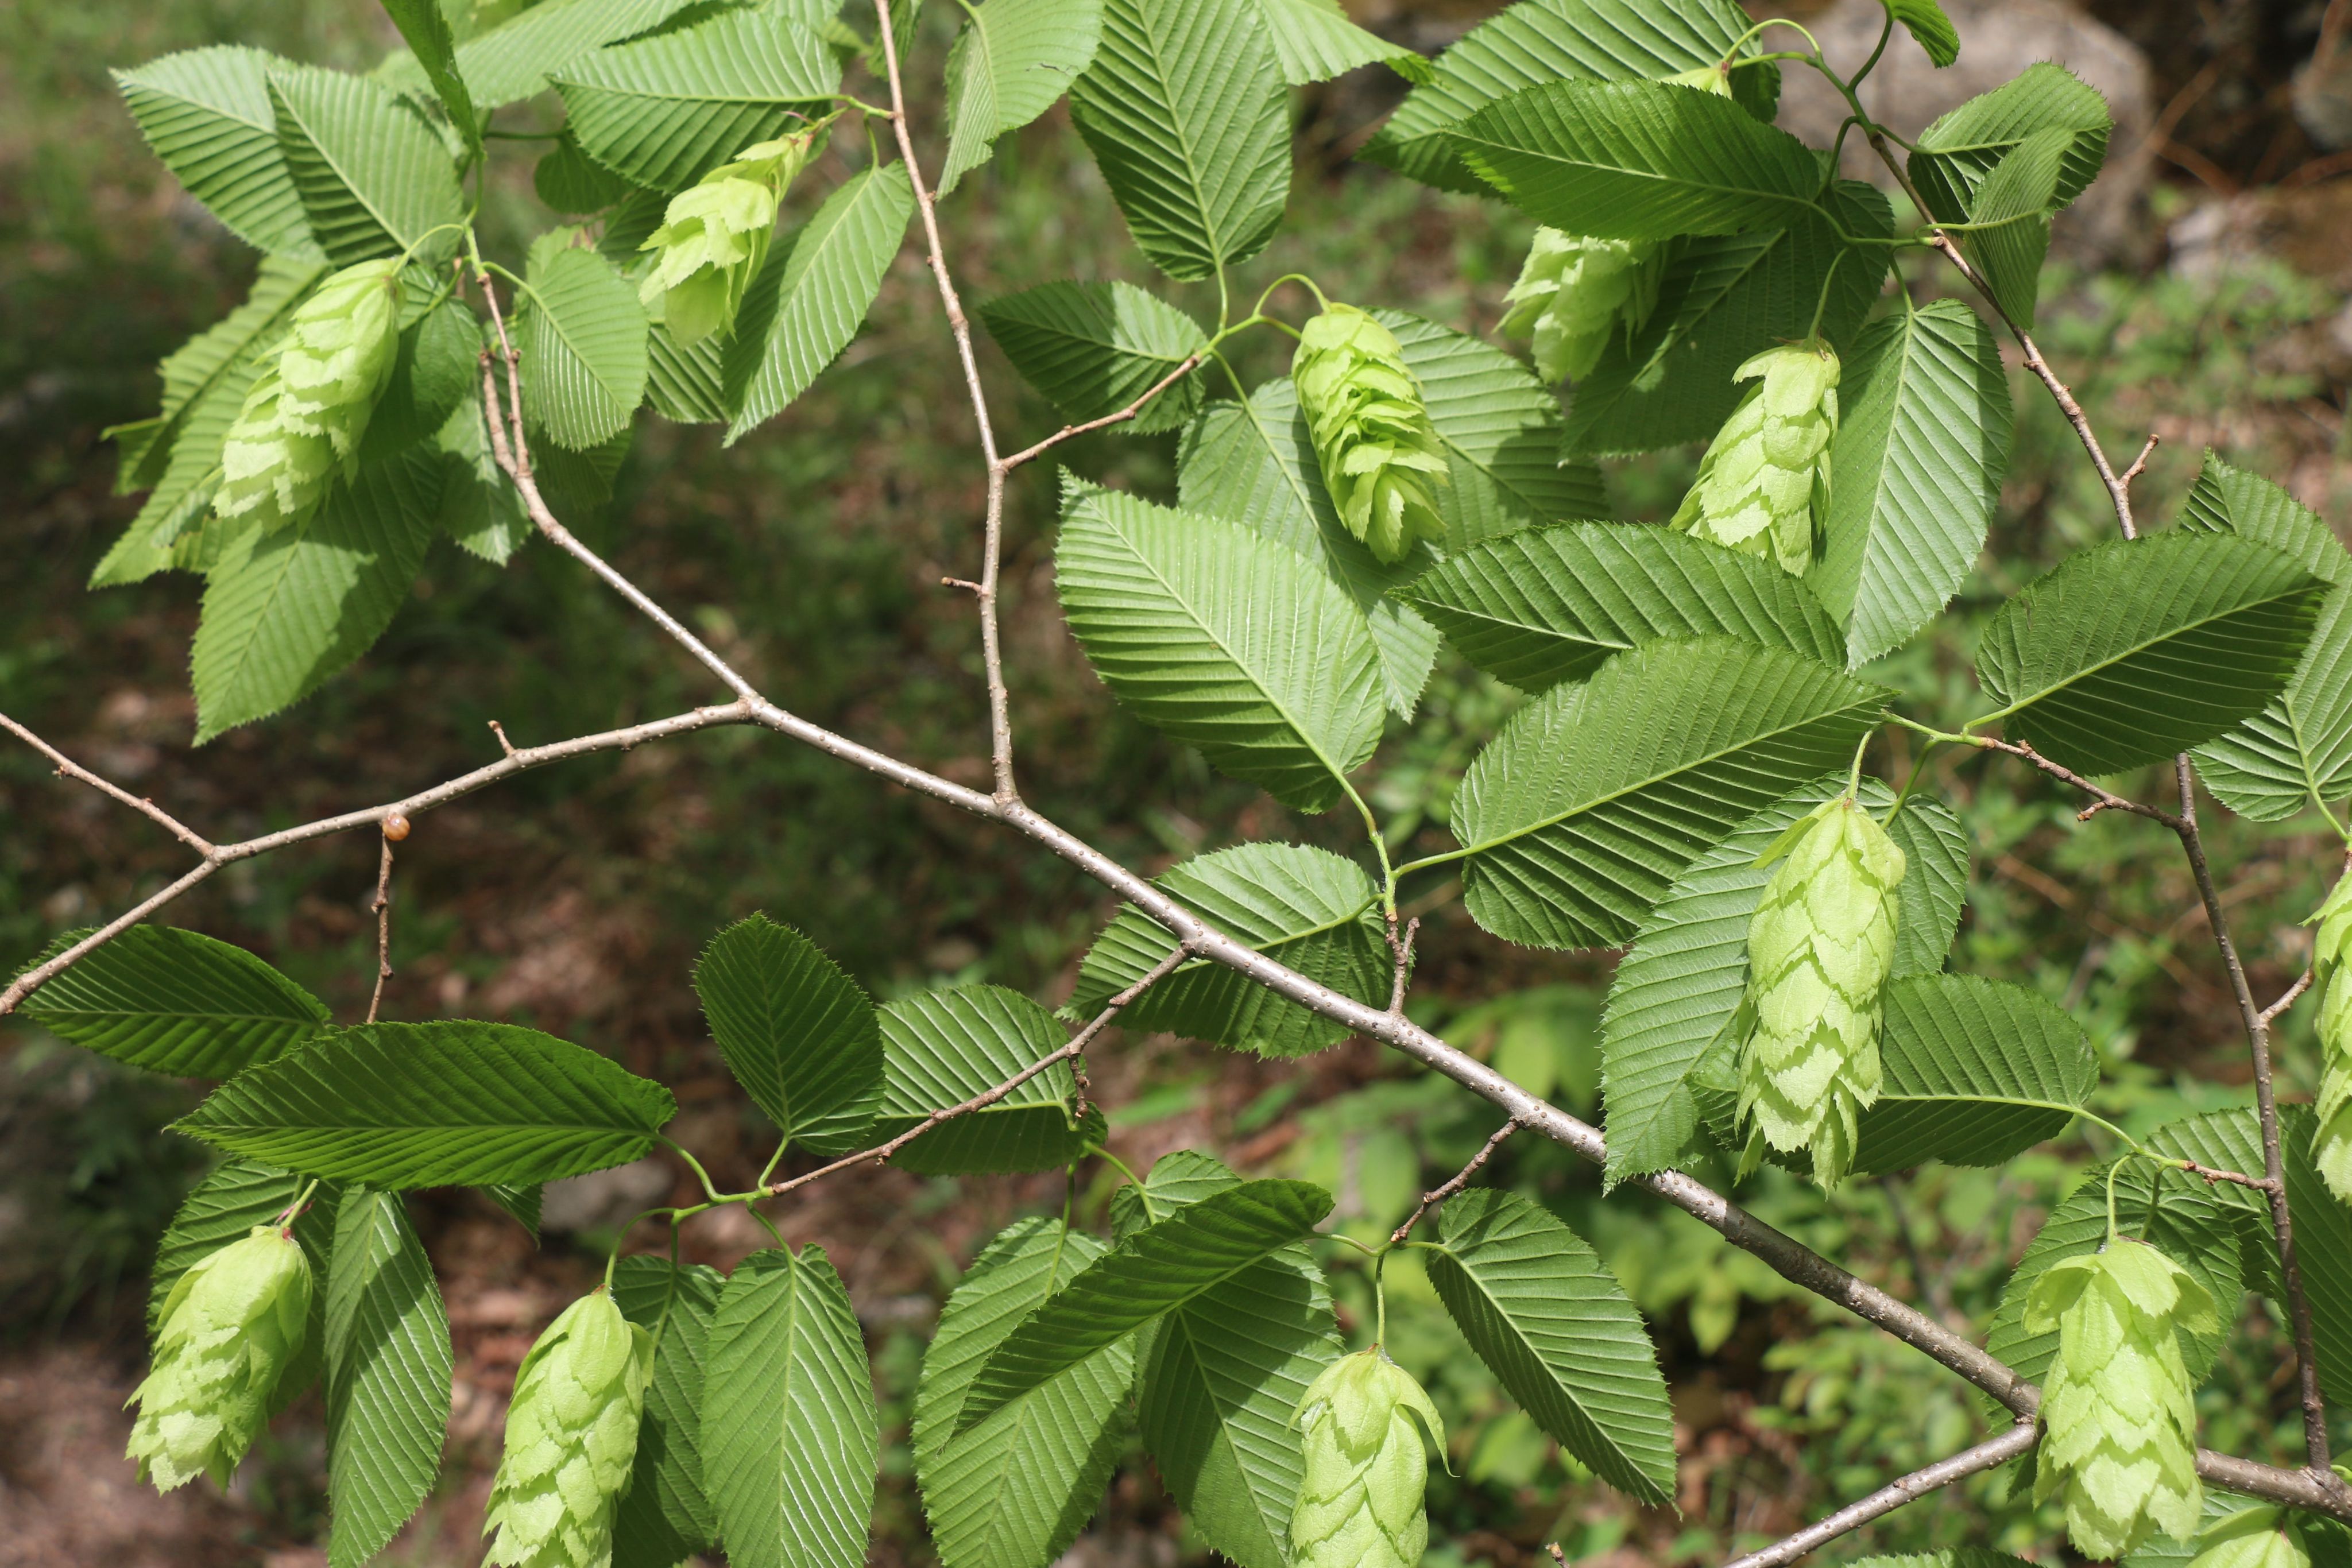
(1435, 1196)
(2019, 1439)
(383, 907)
(1067, 432)
(504, 744)
(2101, 800)
(68, 768)
(2139, 463)
(2301, 983)
(2213, 1173)
(1400, 949)
(881, 1153)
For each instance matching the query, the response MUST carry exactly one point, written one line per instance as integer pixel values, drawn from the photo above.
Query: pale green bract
(230, 1328)
(714, 237)
(2331, 1146)
(1819, 950)
(2119, 1444)
(1361, 1501)
(571, 1437)
(1380, 455)
(1764, 484)
(2256, 1537)
(301, 422)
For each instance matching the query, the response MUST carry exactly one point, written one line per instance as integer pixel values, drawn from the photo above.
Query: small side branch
(2101, 800)
(2269, 1014)
(1069, 431)
(1430, 1199)
(2211, 1175)
(383, 907)
(1400, 949)
(2019, 1439)
(67, 767)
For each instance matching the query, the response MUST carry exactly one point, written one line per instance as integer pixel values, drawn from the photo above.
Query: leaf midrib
(366, 203)
(1661, 178)
(2121, 655)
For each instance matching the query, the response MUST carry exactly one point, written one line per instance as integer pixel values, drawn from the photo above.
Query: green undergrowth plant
(1663, 754)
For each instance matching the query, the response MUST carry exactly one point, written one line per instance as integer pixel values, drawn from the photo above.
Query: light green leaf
(434, 367)
(1304, 908)
(1960, 149)
(1550, 605)
(2323, 1250)
(1255, 464)
(2298, 749)
(1972, 1067)
(583, 348)
(665, 1516)
(1314, 41)
(1501, 430)
(1018, 1487)
(207, 115)
(1149, 1274)
(1950, 1557)
(1920, 454)
(666, 110)
(286, 610)
(797, 1033)
(1640, 161)
(1540, 41)
(808, 302)
(175, 1002)
(425, 28)
(1929, 28)
(1580, 814)
(1012, 60)
(1094, 348)
(569, 180)
(2014, 202)
(387, 1362)
(1678, 990)
(791, 1439)
(514, 60)
(1720, 301)
(2133, 651)
(942, 1048)
(1553, 1326)
(374, 177)
(1185, 110)
(480, 508)
(1224, 640)
(455, 1103)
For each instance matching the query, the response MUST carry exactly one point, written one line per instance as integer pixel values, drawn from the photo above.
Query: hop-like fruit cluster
(1361, 1504)
(571, 1436)
(2258, 1537)
(2119, 1443)
(1818, 948)
(301, 421)
(2331, 1151)
(1380, 455)
(1764, 484)
(230, 1328)
(714, 237)
(1573, 293)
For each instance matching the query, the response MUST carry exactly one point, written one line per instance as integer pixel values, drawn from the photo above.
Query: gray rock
(1999, 38)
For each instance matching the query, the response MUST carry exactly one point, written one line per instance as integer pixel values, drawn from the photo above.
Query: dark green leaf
(374, 177)
(425, 28)
(1094, 348)
(797, 1033)
(513, 61)
(1960, 149)
(224, 1207)
(666, 1515)
(435, 369)
(2013, 211)
(207, 115)
(1972, 1068)
(1929, 28)
(175, 1002)
(1012, 60)
(387, 1362)
(942, 1048)
(569, 180)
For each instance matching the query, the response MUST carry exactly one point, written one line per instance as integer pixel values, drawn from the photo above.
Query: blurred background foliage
(577, 897)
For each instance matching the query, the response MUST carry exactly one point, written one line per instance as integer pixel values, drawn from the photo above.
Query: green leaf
(666, 110)
(1676, 992)
(1720, 301)
(1148, 1275)
(1304, 908)
(1501, 430)
(1540, 41)
(480, 508)
(1314, 41)
(425, 28)
(1094, 348)
(1254, 463)
(583, 348)
(789, 1435)
(207, 115)
(436, 368)
(942, 1048)
(1950, 1557)
(1960, 149)
(1012, 60)
(2014, 202)
(1919, 457)
(569, 180)
(175, 1002)
(2298, 749)
(514, 60)
(1185, 110)
(521, 1200)
(387, 1362)
(1547, 605)
(455, 1103)
(286, 610)
(224, 1207)
(2133, 651)
(666, 1515)
(1224, 1375)
(1972, 1066)
(688, 385)
(2323, 1250)
(1225, 640)
(808, 301)
(1639, 161)
(1553, 1326)
(1929, 28)
(1019, 1486)
(797, 1033)
(1577, 817)
(374, 177)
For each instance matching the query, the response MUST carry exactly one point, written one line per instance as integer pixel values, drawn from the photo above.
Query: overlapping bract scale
(570, 1440)
(2331, 1146)
(1361, 1504)
(1380, 455)
(1764, 484)
(229, 1329)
